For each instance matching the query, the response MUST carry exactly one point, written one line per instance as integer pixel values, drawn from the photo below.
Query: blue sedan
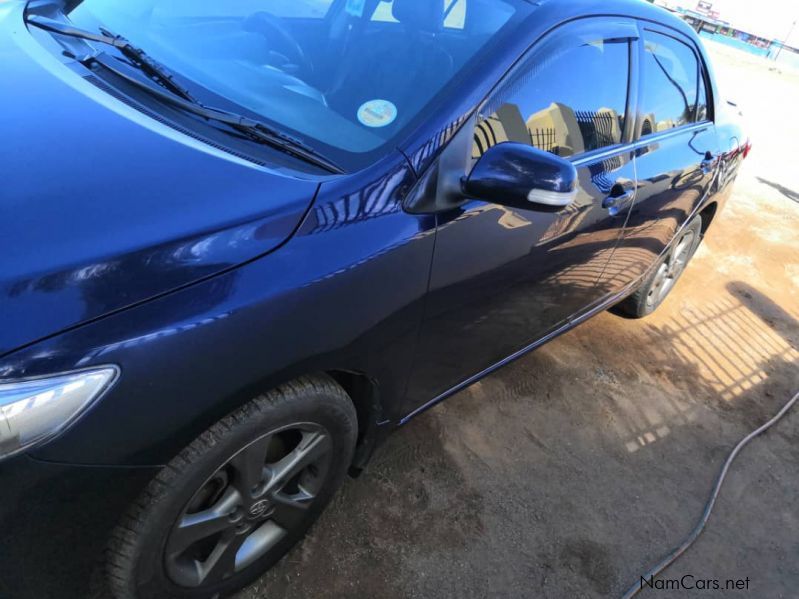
(243, 241)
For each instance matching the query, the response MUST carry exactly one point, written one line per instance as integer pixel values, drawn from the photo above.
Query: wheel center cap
(259, 509)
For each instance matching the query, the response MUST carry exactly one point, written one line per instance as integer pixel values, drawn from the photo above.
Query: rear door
(676, 152)
(503, 278)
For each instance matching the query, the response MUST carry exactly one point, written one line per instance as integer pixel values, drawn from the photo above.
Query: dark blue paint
(208, 278)
(104, 208)
(509, 171)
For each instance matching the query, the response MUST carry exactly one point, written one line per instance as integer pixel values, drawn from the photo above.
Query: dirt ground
(572, 471)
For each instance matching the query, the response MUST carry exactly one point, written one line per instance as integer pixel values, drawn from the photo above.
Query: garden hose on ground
(668, 560)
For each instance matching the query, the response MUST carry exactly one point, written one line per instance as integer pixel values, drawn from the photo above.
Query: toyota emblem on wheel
(259, 509)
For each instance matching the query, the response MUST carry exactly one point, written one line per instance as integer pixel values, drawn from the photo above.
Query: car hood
(102, 207)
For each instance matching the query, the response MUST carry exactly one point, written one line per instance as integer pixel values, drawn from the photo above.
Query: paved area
(570, 472)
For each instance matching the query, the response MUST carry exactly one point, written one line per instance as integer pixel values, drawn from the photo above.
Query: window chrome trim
(603, 153)
(644, 141)
(599, 154)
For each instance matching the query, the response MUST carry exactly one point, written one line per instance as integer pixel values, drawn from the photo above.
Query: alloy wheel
(668, 272)
(248, 505)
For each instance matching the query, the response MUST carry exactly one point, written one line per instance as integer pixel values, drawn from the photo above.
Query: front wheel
(657, 286)
(234, 501)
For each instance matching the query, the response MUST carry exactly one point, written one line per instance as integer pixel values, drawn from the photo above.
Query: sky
(768, 18)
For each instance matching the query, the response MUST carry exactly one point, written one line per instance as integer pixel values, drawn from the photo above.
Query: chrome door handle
(708, 163)
(617, 201)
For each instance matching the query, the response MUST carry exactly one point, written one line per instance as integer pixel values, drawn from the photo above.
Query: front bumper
(55, 521)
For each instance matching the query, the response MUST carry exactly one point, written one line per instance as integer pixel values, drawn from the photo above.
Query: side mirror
(521, 176)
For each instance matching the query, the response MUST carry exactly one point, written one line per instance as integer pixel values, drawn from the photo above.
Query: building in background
(708, 20)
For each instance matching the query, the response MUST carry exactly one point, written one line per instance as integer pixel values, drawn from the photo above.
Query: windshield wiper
(179, 96)
(158, 72)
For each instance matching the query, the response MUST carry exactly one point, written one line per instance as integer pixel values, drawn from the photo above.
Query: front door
(504, 278)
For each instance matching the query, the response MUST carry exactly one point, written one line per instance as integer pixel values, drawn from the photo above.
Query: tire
(664, 276)
(234, 501)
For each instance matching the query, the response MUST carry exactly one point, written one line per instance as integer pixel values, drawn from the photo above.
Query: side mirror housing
(521, 176)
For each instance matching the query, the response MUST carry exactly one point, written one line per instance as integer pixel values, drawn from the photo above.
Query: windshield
(347, 77)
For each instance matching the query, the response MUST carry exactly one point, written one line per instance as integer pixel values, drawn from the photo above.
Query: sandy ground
(570, 472)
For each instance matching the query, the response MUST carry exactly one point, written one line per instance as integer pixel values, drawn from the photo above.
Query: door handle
(708, 163)
(614, 203)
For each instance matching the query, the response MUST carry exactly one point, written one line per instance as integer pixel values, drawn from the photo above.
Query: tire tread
(122, 550)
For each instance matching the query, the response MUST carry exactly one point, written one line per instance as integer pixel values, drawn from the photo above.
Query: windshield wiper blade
(263, 132)
(253, 128)
(180, 97)
(153, 69)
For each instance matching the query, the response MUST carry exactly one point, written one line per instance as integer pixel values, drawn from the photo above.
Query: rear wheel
(657, 286)
(232, 503)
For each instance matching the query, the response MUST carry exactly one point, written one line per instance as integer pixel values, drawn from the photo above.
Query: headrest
(422, 15)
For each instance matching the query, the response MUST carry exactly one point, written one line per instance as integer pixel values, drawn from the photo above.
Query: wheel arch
(707, 214)
(362, 389)
(365, 395)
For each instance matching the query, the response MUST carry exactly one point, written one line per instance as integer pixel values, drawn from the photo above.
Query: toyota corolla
(243, 241)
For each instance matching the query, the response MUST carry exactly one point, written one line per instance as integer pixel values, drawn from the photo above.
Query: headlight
(35, 410)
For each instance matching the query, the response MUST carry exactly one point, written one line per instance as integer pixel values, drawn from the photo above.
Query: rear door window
(673, 90)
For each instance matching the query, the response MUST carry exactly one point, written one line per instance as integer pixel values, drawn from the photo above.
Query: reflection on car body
(250, 242)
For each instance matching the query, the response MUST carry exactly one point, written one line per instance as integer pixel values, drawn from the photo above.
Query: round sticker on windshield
(377, 113)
